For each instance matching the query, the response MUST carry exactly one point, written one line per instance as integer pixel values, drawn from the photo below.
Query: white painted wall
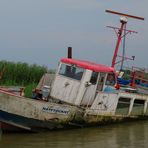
(65, 89)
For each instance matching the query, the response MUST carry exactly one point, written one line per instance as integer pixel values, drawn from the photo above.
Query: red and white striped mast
(120, 31)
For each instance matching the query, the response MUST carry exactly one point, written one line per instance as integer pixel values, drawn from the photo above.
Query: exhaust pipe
(69, 54)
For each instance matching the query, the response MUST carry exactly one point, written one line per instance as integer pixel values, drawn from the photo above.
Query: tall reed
(20, 73)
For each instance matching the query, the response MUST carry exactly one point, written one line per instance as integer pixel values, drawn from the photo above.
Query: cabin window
(110, 79)
(101, 81)
(123, 106)
(71, 71)
(138, 107)
(94, 78)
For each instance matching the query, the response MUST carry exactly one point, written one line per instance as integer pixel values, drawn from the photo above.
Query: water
(126, 135)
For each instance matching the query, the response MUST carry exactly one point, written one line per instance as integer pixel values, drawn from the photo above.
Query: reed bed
(21, 74)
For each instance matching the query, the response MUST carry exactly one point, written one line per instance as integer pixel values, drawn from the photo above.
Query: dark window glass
(123, 106)
(94, 78)
(110, 79)
(71, 71)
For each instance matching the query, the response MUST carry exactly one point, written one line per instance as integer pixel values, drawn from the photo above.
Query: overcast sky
(39, 31)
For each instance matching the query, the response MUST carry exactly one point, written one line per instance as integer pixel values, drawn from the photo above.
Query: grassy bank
(21, 74)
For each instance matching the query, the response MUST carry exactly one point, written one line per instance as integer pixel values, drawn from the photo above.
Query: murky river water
(125, 135)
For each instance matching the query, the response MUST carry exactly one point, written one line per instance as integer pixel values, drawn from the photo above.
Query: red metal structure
(123, 21)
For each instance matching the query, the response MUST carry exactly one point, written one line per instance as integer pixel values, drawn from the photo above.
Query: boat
(138, 80)
(81, 94)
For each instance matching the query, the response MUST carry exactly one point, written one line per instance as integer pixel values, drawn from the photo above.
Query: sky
(39, 31)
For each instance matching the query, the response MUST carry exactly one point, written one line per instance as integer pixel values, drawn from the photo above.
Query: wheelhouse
(77, 80)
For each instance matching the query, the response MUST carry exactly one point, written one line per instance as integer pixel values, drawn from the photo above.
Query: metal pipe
(69, 55)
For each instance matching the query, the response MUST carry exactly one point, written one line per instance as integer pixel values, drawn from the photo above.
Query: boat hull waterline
(35, 115)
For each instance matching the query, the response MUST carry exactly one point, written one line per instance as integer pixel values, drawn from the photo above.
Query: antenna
(126, 15)
(121, 32)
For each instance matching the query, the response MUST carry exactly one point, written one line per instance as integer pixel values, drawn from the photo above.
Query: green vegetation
(21, 74)
(127, 74)
(29, 88)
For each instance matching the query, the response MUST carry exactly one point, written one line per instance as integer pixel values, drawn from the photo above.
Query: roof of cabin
(88, 65)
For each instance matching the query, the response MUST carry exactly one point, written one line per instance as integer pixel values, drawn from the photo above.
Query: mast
(123, 22)
(123, 51)
(122, 32)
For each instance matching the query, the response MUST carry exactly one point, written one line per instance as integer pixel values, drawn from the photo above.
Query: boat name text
(53, 110)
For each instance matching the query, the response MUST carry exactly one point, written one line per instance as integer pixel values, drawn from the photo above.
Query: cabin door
(97, 82)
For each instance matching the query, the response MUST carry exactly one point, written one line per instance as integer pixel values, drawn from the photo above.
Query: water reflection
(125, 135)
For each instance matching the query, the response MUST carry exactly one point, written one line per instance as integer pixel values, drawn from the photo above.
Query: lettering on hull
(54, 110)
